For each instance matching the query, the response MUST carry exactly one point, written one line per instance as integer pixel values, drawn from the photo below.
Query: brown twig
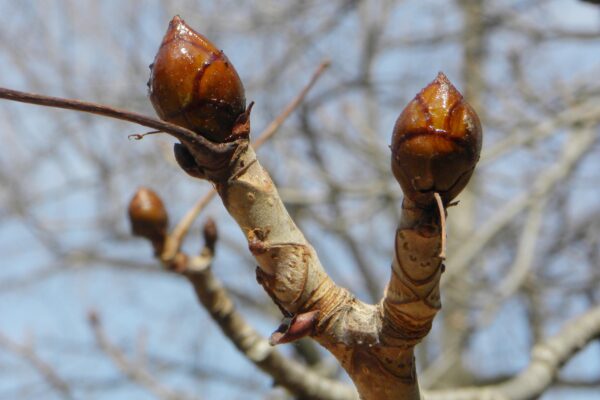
(101, 109)
(46, 370)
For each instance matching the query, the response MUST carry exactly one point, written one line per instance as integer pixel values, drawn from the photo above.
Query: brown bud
(435, 144)
(193, 84)
(148, 216)
(210, 234)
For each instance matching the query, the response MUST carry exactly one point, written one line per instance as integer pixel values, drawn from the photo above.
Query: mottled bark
(374, 343)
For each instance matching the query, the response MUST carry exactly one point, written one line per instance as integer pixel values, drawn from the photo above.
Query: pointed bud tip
(177, 28)
(442, 80)
(441, 77)
(179, 25)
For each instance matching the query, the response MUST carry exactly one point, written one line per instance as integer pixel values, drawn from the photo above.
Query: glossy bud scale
(193, 84)
(147, 215)
(435, 144)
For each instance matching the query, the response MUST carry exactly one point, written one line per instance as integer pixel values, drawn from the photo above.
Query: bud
(210, 234)
(435, 144)
(148, 216)
(193, 84)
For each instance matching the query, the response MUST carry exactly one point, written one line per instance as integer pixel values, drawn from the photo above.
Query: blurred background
(524, 249)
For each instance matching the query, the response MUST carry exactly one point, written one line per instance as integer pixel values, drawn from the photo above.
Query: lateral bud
(210, 233)
(148, 217)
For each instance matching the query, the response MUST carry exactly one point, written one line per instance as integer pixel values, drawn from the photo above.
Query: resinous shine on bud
(148, 216)
(193, 84)
(436, 144)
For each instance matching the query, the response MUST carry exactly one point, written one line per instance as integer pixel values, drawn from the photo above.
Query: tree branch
(133, 371)
(546, 360)
(286, 372)
(579, 142)
(44, 369)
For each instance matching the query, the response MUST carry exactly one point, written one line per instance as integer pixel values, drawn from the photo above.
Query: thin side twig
(579, 143)
(42, 367)
(133, 371)
(280, 119)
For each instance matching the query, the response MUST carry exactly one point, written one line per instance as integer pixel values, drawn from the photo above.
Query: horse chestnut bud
(435, 144)
(148, 216)
(193, 84)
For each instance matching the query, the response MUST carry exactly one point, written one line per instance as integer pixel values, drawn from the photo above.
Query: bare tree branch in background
(524, 242)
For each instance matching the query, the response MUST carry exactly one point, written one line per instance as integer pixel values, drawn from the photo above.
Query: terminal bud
(193, 84)
(436, 144)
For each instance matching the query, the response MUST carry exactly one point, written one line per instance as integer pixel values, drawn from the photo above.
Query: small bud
(435, 144)
(193, 84)
(148, 216)
(210, 234)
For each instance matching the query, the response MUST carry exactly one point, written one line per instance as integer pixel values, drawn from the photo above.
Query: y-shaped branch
(374, 343)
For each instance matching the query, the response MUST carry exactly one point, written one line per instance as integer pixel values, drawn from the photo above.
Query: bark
(373, 343)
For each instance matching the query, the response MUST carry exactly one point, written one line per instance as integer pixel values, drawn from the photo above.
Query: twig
(45, 369)
(278, 121)
(134, 371)
(524, 258)
(442, 211)
(371, 282)
(546, 360)
(182, 228)
(161, 126)
(174, 240)
(579, 143)
(286, 372)
(100, 109)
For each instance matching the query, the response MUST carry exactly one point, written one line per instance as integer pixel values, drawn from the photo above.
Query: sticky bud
(193, 84)
(148, 216)
(436, 144)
